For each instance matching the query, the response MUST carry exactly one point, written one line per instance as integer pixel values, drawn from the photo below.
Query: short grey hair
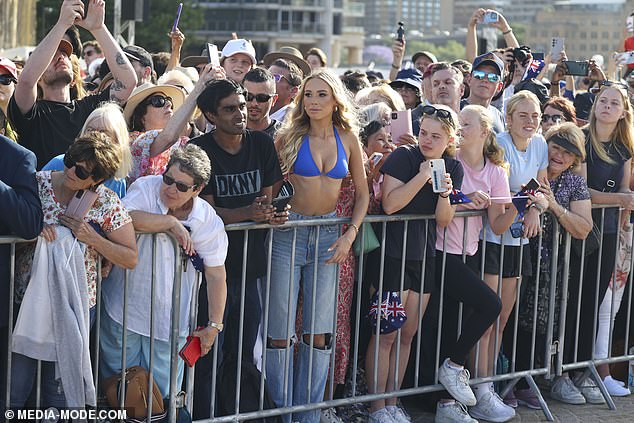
(193, 161)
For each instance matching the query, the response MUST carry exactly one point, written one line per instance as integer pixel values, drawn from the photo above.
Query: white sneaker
(381, 416)
(491, 407)
(329, 415)
(456, 382)
(615, 388)
(590, 391)
(452, 412)
(565, 391)
(398, 415)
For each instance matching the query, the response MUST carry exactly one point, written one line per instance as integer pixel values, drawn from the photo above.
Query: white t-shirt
(493, 180)
(210, 242)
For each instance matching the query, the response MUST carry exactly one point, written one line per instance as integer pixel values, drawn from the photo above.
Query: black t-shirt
(600, 172)
(403, 164)
(272, 128)
(236, 180)
(50, 127)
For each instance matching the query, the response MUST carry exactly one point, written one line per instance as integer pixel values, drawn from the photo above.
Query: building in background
(419, 16)
(335, 26)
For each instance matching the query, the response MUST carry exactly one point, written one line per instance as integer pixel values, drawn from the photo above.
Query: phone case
(190, 352)
(576, 68)
(401, 124)
(517, 229)
(81, 202)
(438, 175)
(284, 196)
(557, 46)
(212, 53)
(532, 185)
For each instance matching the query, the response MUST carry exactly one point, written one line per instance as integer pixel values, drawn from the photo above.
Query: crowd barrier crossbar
(551, 364)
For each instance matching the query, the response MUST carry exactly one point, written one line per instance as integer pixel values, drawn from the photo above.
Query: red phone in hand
(190, 353)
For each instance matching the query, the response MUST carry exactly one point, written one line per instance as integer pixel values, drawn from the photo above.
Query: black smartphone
(85, 2)
(538, 56)
(280, 203)
(517, 229)
(400, 32)
(576, 68)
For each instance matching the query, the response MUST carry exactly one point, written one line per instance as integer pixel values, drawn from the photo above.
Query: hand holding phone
(400, 32)
(490, 16)
(557, 46)
(81, 203)
(178, 17)
(437, 167)
(532, 185)
(576, 68)
(191, 351)
(401, 124)
(283, 197)
(212, 54)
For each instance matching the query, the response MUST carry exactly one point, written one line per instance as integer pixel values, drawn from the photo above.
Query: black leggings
(481, 306)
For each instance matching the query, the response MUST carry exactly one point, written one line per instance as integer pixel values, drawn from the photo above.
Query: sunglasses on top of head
(159, 101)
(441, 113)
(260, 98)
(7, 80)
(481, 75)
(168, 180)
(80, 171)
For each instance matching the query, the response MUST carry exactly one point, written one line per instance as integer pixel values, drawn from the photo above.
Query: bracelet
(507, 32)
(356, 228)
(443, 196)
(395, 67)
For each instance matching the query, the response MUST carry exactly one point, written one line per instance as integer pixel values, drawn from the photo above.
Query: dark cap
(535, 87)
(410, 77)
(566, 144)
(490, 59)
(140, 55)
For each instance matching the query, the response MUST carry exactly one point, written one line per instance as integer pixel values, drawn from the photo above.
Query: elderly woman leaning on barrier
(407, 189)
(317, 147)
(567, 199)
(167, 203)
(106, 231)
(609, 147)
(486, 184)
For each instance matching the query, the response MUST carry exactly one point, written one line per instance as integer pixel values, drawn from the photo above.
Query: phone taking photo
(178, 17)
(556, 47)
(212, 54)
(400, 32)
(490, 17)
(576, 68)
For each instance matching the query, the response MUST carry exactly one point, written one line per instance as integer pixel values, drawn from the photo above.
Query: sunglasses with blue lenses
(481, 75)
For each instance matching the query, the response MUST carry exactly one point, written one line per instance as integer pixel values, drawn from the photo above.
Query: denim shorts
(289, 267)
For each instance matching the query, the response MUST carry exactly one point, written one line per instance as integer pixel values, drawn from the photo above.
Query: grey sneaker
(381, 416)
(456, 382)
(453, 412)
(398, 415)
(490, 407)
(329, 415)
(590, 391)
(565, 391)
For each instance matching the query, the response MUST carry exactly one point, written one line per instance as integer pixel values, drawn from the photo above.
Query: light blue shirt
(524, 166)
(116, 185)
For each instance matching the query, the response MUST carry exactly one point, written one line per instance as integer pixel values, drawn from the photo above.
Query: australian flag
(534, 69)
(391, 312)
(521, 199)
(458, 197)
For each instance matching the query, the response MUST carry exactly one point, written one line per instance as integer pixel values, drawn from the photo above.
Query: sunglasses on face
(481, 75)
(168, 180)
(555, 118)
(260, 98)
(7, 80)
(441, 113)
(159, 101)
(81, 173)
(614, 84)
(278, 77)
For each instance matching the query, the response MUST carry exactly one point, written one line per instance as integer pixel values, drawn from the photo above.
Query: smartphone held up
(400, 32)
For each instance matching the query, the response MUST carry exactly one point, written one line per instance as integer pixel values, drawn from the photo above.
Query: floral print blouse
(142, 163)
(107, 212)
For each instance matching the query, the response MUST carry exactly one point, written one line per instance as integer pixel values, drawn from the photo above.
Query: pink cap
(9, 66)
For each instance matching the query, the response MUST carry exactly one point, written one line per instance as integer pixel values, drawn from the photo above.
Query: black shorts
(511, 266)
(412, 277)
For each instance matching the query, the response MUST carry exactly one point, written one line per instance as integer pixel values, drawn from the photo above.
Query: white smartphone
(624, 58)
(438, 175)
(401, 124)
(556, 47)
(490, 17)
(376, 158)
(629, 23)
(212, 54)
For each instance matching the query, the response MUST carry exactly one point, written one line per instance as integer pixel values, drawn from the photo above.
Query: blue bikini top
(305, 165)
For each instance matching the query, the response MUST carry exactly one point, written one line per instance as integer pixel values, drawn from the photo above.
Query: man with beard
(244, 168)
(49, 126)
(446, 85)
(260, 96)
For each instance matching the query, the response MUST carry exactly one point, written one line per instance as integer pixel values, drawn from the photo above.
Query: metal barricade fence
(551, 344)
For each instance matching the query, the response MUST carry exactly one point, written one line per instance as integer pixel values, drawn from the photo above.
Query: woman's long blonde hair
(491, 149)
(297, 123)
(622, 134)
(108, 118)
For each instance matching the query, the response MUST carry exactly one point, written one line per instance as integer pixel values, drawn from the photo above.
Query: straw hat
(143, 91)
(290, 54)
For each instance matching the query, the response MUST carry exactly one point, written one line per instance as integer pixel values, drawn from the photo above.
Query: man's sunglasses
(481, 75)
(441, 113)
(81, 173)
(159, 101)
(278, 77)
(168, 180)
(555, 118)
(7, 79)
(260, 98)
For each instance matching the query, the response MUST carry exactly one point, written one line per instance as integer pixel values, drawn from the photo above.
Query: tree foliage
(449, 51)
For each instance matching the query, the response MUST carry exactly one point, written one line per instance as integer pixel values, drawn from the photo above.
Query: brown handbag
(136, 396)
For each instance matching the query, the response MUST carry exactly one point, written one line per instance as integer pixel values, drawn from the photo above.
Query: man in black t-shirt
(244, 169)
(48, 126)
(260, 86)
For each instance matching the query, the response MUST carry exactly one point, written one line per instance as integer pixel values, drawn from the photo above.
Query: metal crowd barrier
(551, 364)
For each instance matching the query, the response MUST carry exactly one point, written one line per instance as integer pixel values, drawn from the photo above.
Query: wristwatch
(218, 326)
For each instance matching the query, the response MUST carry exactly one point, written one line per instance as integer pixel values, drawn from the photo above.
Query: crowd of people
(99, 141)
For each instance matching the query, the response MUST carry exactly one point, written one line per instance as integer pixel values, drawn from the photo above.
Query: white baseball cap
(238, 46)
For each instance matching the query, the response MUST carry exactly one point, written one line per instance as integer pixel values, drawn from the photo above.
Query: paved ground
(563, 413)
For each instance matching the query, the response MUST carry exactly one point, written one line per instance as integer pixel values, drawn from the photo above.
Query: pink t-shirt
(493, 180)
